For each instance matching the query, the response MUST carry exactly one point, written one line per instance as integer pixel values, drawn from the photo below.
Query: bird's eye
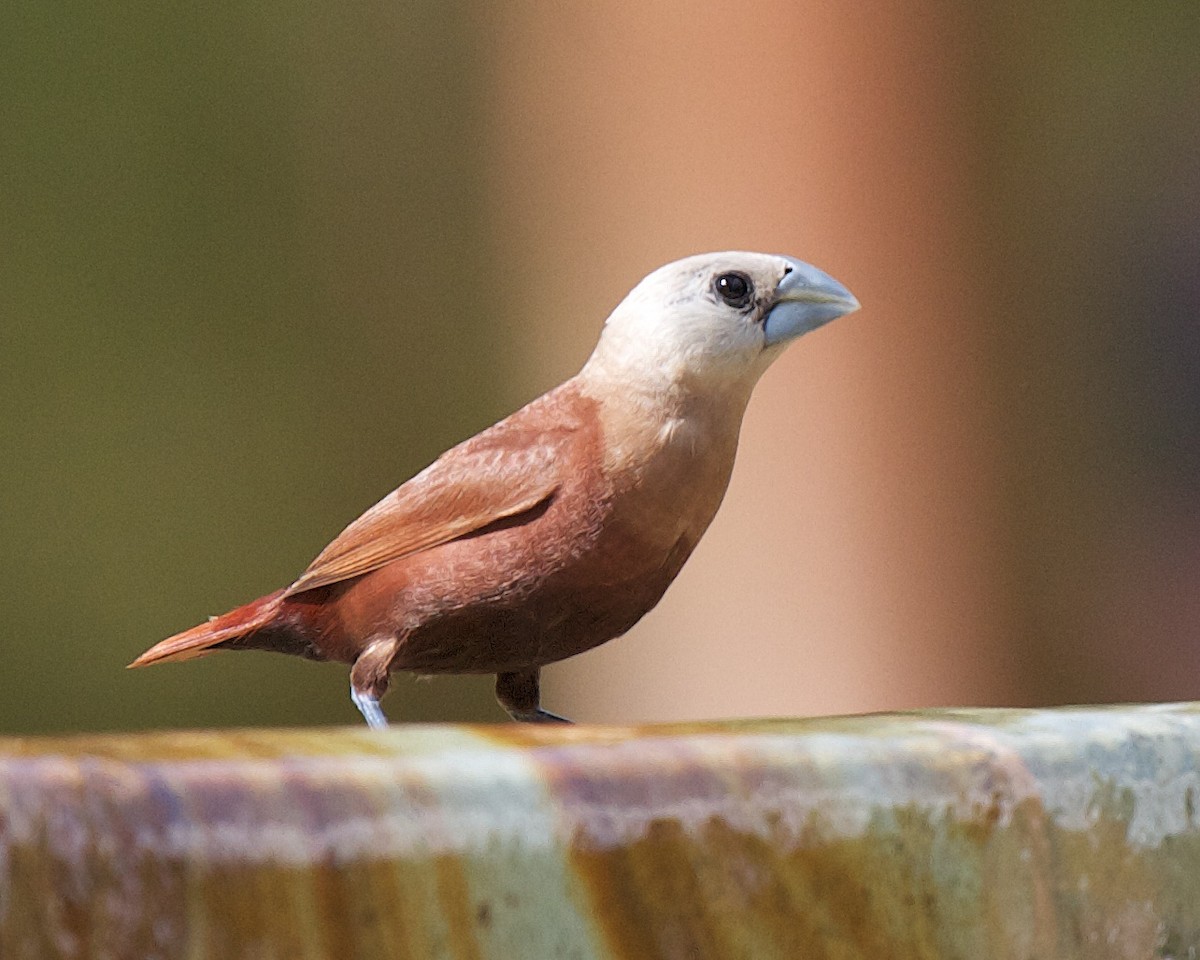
(734, 288)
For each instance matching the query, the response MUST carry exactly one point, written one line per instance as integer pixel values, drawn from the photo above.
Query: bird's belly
(510, 601)
(495, 637)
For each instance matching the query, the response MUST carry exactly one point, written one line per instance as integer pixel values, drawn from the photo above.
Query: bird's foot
(369, 707)
(519, 693)
(537, 716)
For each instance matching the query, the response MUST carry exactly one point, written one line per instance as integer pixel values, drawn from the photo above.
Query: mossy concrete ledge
(1051, 834)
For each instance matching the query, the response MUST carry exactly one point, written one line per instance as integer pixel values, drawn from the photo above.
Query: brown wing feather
(508, 469)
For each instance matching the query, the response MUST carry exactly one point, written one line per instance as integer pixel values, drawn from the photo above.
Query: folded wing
(508, 470)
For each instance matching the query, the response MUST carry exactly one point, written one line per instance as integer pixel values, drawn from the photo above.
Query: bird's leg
(368, 706)
(520, 694)
(369, 680)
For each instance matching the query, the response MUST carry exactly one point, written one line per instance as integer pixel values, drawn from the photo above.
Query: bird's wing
(499, 474)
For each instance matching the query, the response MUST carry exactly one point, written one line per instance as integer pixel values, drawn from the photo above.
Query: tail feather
(200, 640)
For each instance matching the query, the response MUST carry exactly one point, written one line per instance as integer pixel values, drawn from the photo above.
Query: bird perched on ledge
(559, 527)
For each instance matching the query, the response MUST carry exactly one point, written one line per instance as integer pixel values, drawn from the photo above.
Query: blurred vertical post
(854, 563)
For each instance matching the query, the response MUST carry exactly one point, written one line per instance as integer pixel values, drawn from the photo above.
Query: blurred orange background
(262, 263)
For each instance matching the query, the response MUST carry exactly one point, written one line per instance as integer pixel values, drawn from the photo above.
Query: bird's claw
(538, 716)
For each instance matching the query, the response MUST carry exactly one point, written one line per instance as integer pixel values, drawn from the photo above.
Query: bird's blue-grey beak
(805, 299)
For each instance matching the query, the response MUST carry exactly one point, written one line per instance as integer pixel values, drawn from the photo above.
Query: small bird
(559, 527)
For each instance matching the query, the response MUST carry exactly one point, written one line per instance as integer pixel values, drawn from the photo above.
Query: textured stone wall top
(943, 834)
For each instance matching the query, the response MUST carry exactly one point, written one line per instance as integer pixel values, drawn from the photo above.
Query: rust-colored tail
(201, 639)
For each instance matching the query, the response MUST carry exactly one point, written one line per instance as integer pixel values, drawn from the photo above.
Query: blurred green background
(244, 295)
(255, 272)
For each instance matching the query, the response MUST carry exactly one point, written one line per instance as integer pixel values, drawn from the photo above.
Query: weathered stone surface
(1069, 833)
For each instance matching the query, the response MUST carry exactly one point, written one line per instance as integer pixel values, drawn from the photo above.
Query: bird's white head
(714, 321)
